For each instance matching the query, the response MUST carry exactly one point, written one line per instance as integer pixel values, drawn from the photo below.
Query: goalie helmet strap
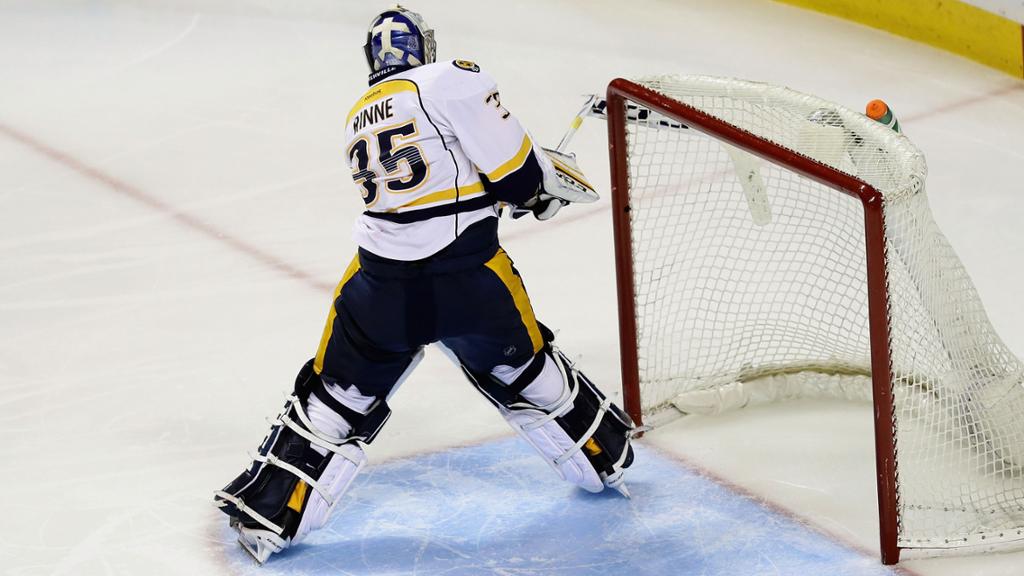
(385, 73)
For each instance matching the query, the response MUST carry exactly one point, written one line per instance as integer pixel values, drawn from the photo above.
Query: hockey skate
(260, 544)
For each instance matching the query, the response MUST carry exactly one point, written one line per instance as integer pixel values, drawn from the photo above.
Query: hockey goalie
(436, 157)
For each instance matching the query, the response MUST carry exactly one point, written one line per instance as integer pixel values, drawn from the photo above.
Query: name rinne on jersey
(373, 114)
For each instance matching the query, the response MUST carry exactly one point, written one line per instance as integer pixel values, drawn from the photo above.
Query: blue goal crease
(496, 508)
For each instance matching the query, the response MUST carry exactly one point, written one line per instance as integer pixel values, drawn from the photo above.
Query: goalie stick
(597, 107)
(746, 166)
(571, 184)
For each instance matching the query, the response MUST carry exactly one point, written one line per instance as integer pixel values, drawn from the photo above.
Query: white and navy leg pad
(538, 425)
(299, 473)
(557, 410)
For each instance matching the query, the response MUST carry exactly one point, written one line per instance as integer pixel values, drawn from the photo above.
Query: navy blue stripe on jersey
(519, 186)
(386, 72)
(422, 214)
(477, 244)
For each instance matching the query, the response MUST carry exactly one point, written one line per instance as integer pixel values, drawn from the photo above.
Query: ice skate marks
(496, 508)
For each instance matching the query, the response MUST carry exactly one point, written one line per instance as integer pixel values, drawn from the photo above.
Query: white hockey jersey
(417, 143)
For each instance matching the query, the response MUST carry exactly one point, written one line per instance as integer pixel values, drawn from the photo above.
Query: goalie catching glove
(564, 183)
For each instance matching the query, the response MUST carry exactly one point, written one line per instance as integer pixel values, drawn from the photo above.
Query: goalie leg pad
(298, 475)
(309, 504)
(557, 410)
(537, 422)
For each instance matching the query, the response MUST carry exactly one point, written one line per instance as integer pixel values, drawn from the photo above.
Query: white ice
(175, 210)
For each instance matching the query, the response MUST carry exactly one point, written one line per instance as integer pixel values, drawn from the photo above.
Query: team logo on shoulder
(466, 65)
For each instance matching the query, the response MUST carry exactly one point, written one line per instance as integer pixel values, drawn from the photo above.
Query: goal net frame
(619, 93)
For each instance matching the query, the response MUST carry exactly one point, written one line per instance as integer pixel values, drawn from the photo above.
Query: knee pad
(579, 432)
(299, 473)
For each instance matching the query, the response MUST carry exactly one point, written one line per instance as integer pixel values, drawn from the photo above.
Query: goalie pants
(469, 297)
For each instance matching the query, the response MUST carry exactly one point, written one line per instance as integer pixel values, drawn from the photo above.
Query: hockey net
(774, 245)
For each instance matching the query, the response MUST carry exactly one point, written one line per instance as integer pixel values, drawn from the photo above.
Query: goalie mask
(399, 37)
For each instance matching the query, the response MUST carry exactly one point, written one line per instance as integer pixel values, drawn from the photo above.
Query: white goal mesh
(750, 284)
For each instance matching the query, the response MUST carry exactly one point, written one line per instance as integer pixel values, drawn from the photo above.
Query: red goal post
(876, 289)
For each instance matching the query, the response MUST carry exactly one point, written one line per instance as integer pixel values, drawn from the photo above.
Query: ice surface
(495, 508)
(175, 210)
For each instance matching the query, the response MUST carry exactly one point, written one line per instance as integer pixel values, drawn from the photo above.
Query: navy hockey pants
(384, 311)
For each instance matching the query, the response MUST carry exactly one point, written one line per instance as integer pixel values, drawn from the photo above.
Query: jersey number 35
(403, 165)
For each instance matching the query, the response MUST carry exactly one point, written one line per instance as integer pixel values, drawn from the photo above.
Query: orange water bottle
(880, 112)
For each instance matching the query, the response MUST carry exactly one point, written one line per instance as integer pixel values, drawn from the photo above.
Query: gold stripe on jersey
(513, 163)
(501, 265)
(462, 193)
(318, 363)
(382, 90)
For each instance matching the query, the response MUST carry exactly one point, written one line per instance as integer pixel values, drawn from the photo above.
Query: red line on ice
(187, 220)
(223, 237)
(956, 105)
(897, 569)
